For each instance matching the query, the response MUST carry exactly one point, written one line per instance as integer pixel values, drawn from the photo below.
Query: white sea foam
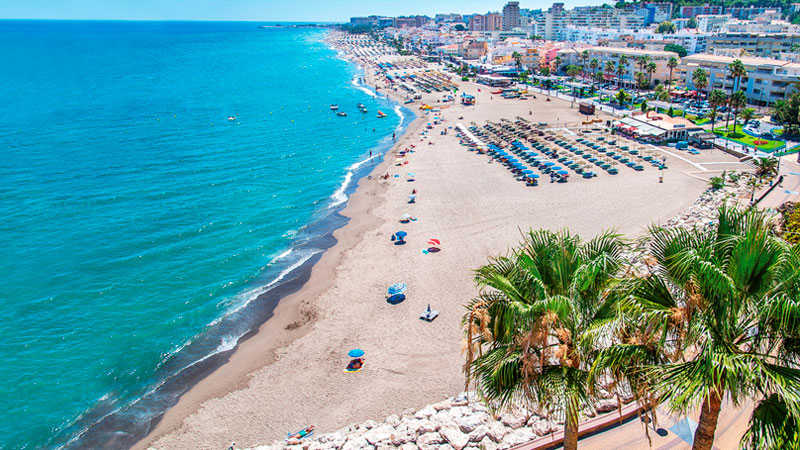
(339, 196)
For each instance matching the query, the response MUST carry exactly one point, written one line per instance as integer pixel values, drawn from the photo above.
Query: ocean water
(139, 224)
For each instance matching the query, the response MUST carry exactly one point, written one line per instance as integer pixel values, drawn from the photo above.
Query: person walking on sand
(233, 444)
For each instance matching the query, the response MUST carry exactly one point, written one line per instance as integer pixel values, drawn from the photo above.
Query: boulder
(454, 437)
(426, 426)
(393, 420)
(469, 423)
(425, 412)
(370, 424)
(541, 428)
(513, 419)
(430, 438)
(518, 436)
(356, 443)
(477, 433)
(496, 431)
(379, 434)
(487, 444)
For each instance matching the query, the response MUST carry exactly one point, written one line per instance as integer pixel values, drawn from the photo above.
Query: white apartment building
(711, 23)
(691, 41)
(767, 80)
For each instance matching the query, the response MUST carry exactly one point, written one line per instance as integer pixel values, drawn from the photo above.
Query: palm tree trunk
(571, 435)
(709, 414)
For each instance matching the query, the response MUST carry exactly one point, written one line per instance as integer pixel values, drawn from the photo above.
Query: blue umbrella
(549, 163)
(563, 172)
(533, 176)
(527, 171)
(397, 288)
(355, 353)
(555, 168)
(401, 234)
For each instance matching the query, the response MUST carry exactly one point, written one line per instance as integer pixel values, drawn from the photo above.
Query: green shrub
(716, 183)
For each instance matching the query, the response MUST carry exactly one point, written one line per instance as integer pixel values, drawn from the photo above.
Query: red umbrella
(434, 242)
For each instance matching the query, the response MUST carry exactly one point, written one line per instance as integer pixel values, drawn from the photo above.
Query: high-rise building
(486, 22)
(511, 16)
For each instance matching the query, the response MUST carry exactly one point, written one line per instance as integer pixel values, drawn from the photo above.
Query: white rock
(469, 423)
(430, 439)
(425, 412)
(513, 419)
(447, 404)
(541, 428)
(379, 434)
(408, 446)
(403, 435)
(393, 420)
(487, 444)
(519, 436)
(426, 426)
(496, 431)
(478, 433)
(370, 424)
(356, 443)
(454, 437)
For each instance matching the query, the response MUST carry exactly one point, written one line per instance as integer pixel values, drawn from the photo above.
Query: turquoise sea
(140, 225)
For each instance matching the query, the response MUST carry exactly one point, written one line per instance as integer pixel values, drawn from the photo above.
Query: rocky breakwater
(705, 209)
(461, 422)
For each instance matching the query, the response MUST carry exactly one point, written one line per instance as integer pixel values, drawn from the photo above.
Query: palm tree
(651, 69)
(737, 71)
(747, 114)
(700, 79)
(671, 64)
(715, 100)
(532, 332)
(610, 68)
(620, 72)
(642, 62)
(720, 308)
(737, 101)
(622, 97)
(594, 64)
(641, 82)
(517, 60)
(573, 70)
(766, 167)
(557, 62)
(584, 58)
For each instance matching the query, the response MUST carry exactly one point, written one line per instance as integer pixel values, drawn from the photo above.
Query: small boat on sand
(381, 114)
(334, 107)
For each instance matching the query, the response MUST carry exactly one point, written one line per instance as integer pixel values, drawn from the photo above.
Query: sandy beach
(289, 374)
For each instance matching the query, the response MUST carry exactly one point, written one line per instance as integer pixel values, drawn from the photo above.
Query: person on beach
(233, 444)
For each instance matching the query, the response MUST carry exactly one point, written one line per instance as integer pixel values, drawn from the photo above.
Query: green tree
(700, 79)
(556, 64)
(766, 167)
(672, 63)
(594, 64)
(716, 99)
(679, 49)
(533, 330)
(584, 58)
(572, 70)
(691, 23)
(736, 103)
(651, 69)
(544, 71)
(666, 28)
(517, 60)
(460, 27)
(621, 69)
(622, 97)
(747, 114)
(610, 68)
(720, 306)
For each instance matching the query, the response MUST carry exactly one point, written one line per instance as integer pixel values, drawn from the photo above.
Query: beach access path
(289, 375)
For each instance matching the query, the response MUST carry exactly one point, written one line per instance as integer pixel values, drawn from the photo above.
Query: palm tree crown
(535, 326)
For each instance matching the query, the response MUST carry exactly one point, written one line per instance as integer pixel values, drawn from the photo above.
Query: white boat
(334, 107)
(341, 114)
(231, 118)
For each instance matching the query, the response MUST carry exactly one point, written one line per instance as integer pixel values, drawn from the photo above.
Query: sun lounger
(429, 314)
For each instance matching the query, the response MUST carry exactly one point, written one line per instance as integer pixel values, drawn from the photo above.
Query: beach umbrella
(562, 172)
(527, 171)
(397, 288)
(555, 168)
(355, 353)
(549, 163)
(434, 242)
(401, 234)
(411, 174)
(533, 176)
(405, 216)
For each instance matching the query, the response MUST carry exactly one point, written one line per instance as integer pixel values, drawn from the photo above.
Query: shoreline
(289, 316)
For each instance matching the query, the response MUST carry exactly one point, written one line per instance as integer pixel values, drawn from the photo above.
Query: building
(448, 18)
(511, 16)
(691, 11)
(767, 80)
(475, 50)
(657, 12)
(613, 54)
(411, 21)
(754, 44)
(654, 127)
(487, 22)
(711, 23)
